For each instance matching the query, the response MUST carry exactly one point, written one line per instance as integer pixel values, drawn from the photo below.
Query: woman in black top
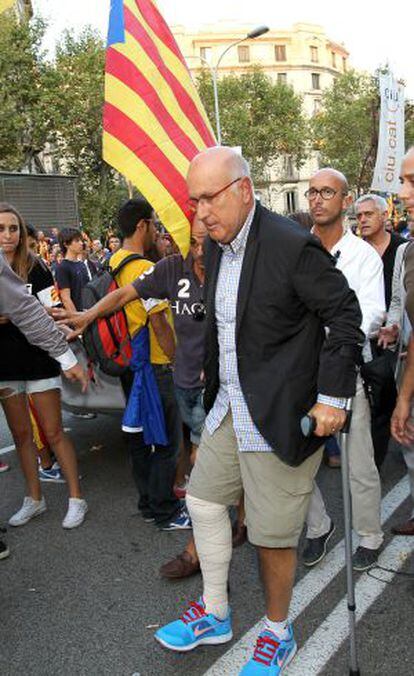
(26, 369)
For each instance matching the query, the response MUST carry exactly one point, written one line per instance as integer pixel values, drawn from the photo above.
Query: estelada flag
(154, 121)
(6, 4)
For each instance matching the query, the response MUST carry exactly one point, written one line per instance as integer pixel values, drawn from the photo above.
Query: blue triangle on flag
(116, 30)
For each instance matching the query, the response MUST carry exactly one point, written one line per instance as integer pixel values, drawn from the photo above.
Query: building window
(333, 57)
(317, 105)
(205, 53)
(316, 81)
(282, 78)
(314, 54)
(344, 64)
(244, 53)
(289, 168)
(280, 52)
(291, 201)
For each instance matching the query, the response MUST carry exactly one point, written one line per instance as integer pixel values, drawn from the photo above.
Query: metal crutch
(308, 427)
(346, 496)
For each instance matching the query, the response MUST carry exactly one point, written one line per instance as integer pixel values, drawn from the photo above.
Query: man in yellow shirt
(153, 470)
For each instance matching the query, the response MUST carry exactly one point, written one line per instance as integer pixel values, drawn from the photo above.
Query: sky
(373, 36)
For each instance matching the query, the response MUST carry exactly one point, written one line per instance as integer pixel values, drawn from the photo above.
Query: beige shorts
(276, 496)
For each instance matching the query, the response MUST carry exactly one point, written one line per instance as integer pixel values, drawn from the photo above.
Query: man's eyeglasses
(193, 202)
(325, 193)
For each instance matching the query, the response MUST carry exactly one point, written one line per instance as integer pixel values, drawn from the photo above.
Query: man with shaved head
(271, 290)
(329, 199)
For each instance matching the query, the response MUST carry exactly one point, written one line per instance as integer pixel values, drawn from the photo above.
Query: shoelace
(194, 612)
(183, 515)
(75, 508)
(265, 650)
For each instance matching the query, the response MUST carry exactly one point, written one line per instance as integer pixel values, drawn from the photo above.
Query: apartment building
(303, 57)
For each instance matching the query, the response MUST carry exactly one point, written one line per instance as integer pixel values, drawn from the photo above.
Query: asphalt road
(86, 602)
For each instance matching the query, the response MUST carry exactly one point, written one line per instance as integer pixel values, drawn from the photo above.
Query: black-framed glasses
(193, 202)
(325, 193)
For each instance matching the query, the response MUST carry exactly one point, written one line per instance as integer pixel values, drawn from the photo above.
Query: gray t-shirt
(173, 278)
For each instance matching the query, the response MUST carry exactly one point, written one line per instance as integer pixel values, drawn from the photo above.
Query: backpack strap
(117, 270)
(122, 264)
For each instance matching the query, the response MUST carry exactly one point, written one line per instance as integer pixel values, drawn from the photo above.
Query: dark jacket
(289, 292)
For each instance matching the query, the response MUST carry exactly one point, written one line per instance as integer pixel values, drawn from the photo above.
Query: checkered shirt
(230, 393)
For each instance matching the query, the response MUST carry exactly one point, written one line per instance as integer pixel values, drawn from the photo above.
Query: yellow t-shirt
(138, 310)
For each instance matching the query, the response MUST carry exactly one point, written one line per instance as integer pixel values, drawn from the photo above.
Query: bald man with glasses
(329, 199)
(270, 290)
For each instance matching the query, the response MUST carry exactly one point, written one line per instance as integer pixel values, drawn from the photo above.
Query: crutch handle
(308, 425)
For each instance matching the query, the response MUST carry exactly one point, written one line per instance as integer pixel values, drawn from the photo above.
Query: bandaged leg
(212, 535)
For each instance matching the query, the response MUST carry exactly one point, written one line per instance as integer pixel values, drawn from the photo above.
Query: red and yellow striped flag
(6, 4)
(154, 121)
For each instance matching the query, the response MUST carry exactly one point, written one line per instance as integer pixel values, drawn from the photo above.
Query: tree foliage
(24, 126)
(264, 118)
(409, 125)
(57, 104)
(346, 130)
(77, 96)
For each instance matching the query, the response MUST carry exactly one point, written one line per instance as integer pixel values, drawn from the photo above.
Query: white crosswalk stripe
(307, 590)
(6, 449)
(319, 649)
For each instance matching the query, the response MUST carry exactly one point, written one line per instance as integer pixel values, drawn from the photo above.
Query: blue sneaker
(52, 475)
(181, 521)
(271, 655)
(195, 627)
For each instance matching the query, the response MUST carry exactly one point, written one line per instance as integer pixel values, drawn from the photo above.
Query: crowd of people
(51, 245)
(266, 320)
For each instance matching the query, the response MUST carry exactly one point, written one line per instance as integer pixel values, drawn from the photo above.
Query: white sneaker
(76, 513)
(29, 509)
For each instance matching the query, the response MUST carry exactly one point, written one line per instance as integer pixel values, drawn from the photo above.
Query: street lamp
(255, 33)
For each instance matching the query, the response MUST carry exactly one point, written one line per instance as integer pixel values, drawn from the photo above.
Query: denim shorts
(9, 388)
(190, 403)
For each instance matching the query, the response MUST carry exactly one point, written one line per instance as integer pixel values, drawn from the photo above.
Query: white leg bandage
(212, 535)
